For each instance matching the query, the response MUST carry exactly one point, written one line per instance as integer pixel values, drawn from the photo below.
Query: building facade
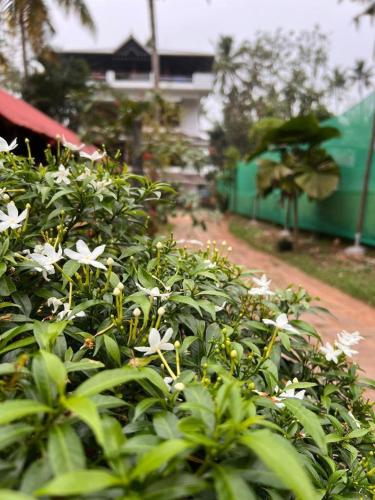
(185, 78)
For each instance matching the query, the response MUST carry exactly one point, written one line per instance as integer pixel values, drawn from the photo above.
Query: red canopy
(24, 115)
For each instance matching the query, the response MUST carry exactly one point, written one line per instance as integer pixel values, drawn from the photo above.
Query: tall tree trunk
(155, 56)
(366, 180)
(23, 45)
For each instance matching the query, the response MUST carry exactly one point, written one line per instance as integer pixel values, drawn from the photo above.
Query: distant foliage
(131, 368)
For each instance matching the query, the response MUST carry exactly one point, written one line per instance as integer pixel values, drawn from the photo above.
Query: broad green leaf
(280, 456)
(79, 482)
(86, 410)
(19, 408)
(309, 420)
(229, 485)
(112, 349)
(199, 401)
(56, 370)
(166, 425)
(46, 332)
(65, 451)
(12, 433)
(159, 456)
(172, 487)
(183, 299)
(14, 495)
(84, 364)
(46, 390)
(107, 379)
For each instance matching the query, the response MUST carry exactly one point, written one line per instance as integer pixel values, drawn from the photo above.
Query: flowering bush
(133, 368)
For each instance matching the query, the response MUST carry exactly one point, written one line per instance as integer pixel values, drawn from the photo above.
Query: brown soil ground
(346, 312)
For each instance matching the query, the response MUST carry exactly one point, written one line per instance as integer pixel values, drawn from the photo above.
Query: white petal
(142, 349)
(269, 322)
(95, 263)
(83, 249)
(98, 251)
(168, 334)
(167, 347)
(12, 210)
(4, 226)
(72, 254)
(154, 338)
(282, 320)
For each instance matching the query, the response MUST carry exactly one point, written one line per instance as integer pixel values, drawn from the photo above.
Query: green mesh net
(338, 214)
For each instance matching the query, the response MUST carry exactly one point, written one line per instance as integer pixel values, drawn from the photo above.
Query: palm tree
(362, 76)
(31, 19)
(155, 56)
(338, 84)
(228, 64)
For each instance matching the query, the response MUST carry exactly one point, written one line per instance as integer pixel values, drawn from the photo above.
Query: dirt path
(347, 313)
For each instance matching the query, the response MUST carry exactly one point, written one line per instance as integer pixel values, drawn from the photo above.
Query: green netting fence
(336, 215)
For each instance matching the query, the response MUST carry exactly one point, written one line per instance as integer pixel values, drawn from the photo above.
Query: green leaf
(12, 433)
(14, 495)
(280, 456)
(56, 370)
(112, 349)
(107, 379)
(86, 410)
(46, 332)
(166, 425)
(85, 364)
(158, 456)
(199, 401)
(79, 482)
(309, 420)
(19, 408)
(229, 485)
(46, 391)
(182, 299)
(65, 451)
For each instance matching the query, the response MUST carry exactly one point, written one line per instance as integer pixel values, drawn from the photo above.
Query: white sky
(195, 25)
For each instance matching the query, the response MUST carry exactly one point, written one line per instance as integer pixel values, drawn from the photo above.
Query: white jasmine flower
(289, 393)
(156, 343)
(67, 313)
(209, 264)
(95, 156)
(62, 175)
(281, 323)
(262, 288)
(85, 174)
(54, 303)
(349, 339)
(100, 186)
(330, 353)
(11, 220)
(85, 256)
(347, 350)
(262, 282)
(46, 255)
(220, 308)
(356, 422)
(71, 146)
(5, 147)
(154, 292)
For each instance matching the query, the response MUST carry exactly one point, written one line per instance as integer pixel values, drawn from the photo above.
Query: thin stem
(165, 362)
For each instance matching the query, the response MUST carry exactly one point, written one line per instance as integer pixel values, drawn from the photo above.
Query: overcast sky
(195, 25)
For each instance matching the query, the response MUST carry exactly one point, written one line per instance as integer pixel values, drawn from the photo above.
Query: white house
(185, 78)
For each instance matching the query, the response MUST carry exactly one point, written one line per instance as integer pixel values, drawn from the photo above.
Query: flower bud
(229, 249)
(161, 311)
(177, 344)
(120, 286)
(137, 312)
(179, 386)
(159, 245)
(110, 261)
(233, 354)
(224, 243)
(116, 292)
(6, 197)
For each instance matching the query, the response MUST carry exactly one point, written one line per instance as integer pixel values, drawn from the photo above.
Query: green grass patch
(317, 255)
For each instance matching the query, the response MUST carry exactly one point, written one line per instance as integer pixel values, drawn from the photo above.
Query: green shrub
(135, 369)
